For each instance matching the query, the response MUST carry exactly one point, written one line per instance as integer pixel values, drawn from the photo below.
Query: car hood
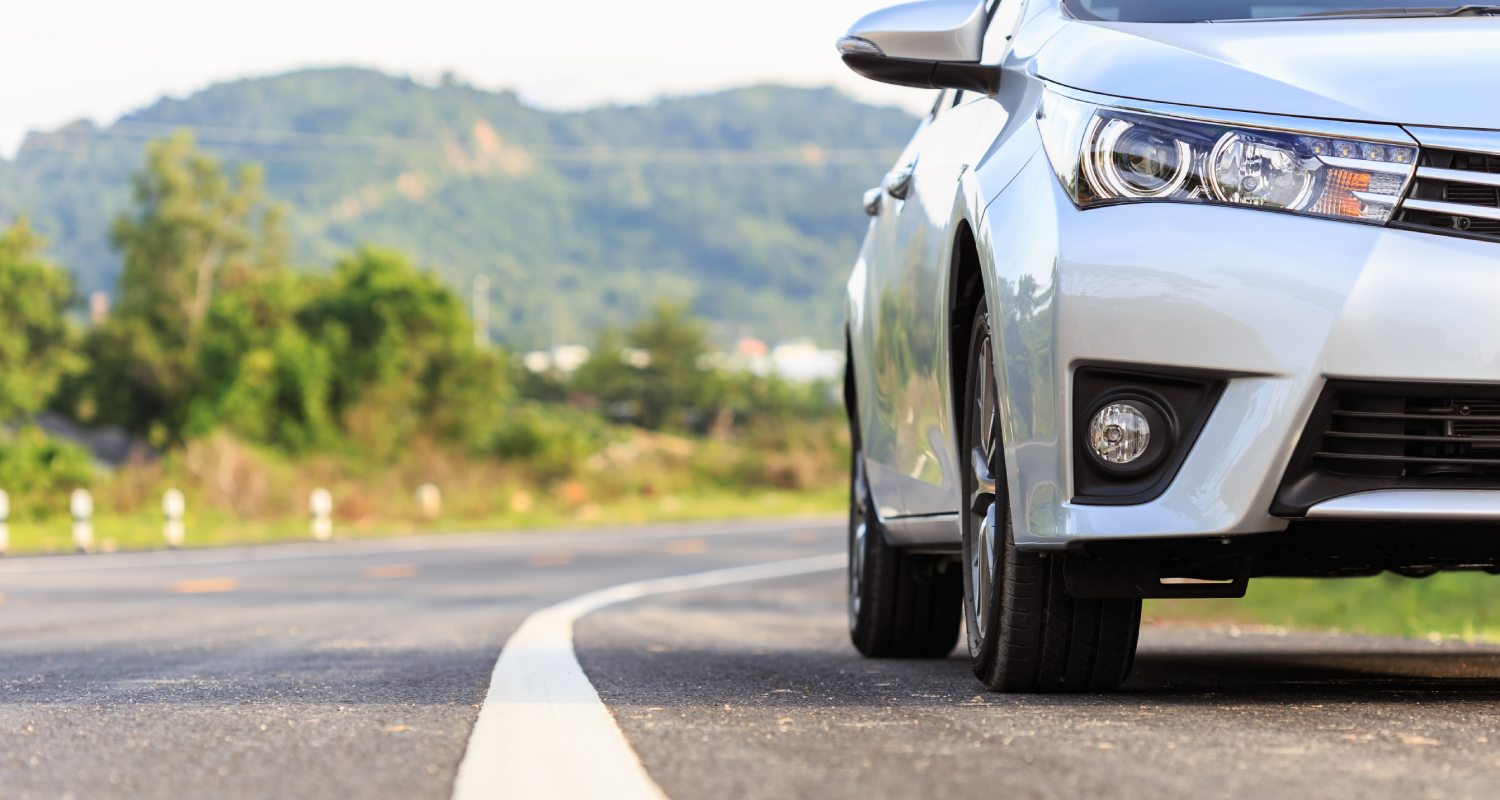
(1421, 71)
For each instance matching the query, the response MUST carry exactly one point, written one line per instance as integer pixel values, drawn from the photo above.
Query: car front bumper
(1278, 303)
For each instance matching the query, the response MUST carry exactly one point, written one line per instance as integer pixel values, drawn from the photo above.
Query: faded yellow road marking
(206, 586)
(388, 572)
(802, 537)
(686, 547)
(556, 559)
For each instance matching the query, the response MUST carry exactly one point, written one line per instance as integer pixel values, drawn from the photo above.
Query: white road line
(543, 732)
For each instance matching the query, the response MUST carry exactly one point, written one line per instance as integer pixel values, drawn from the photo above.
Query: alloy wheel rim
(858, 532)
(983, 556)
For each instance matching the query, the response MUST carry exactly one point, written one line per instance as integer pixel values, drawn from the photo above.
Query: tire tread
(911, 609)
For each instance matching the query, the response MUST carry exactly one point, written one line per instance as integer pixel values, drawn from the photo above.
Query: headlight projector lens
(1139, 162)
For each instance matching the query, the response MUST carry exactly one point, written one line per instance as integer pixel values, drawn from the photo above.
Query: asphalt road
(358, 669)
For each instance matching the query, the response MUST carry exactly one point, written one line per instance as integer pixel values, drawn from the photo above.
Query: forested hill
(745, 202)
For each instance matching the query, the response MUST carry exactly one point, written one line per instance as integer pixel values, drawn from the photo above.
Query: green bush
(39, 472)
(553, 441)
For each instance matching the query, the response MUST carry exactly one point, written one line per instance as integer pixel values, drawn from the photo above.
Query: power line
(124, 138)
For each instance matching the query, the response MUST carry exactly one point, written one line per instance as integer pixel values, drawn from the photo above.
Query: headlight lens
(1106, 155)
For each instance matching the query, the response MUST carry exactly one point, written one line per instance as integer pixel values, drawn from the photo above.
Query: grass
(210, 529)
(1463, 605)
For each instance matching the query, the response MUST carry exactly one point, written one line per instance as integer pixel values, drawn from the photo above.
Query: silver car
(1165, 295)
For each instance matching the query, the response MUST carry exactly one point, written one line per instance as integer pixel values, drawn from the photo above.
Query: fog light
(1119, 433)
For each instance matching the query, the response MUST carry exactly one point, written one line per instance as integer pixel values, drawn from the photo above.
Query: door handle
(898, 181)
(873, 198)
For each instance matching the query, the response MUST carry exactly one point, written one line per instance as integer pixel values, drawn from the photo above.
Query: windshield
(1230, 10)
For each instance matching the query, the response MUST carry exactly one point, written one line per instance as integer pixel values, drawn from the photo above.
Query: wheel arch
(967, 287)
(851, 395)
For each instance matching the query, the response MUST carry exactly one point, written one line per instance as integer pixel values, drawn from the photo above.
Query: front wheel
(901, 605)
(1026, 633)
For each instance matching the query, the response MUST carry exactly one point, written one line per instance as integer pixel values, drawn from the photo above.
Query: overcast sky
(63, 60)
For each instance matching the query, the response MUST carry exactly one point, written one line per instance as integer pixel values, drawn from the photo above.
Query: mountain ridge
(743, 202)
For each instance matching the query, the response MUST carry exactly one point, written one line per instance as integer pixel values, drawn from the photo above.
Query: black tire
(1032, 635)
(901, 605)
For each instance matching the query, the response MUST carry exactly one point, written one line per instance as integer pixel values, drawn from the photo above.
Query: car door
(911, 306)
(881, 329)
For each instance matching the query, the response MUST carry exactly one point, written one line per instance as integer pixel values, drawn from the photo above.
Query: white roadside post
(174, 508)
(82, 506)
(430, 500)
(320, 503)
(4, 522)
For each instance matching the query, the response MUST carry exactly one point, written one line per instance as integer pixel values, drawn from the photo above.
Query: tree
(259, 373)
(191, 230)
(403, 357)
(664, 383)
(36, 343)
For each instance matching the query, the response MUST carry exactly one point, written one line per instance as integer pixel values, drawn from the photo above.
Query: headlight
(1105, 155)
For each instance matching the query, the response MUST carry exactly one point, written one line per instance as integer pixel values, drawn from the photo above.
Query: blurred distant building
(636, 357)
(752, 348)
(798, 361)
(98, 308)
(805, 361)
(568, 358)
(564, 359)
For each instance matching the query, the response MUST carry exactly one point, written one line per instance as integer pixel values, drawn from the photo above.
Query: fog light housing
(1119, 433)
(1132, 429)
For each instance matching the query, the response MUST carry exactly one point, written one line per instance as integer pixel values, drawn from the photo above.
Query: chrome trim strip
(1372, 197)
(1362, 165)
(1337, 129)
(1472, 141)
(1459, 176)
(1433, 504)
(1451, 209)
(938, 531)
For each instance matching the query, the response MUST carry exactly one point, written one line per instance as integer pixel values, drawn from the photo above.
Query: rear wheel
(901, 605)
(1026, 633)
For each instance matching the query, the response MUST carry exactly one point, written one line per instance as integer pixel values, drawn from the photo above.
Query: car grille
(1411, 436)
(1366, 436)
(1457, 186)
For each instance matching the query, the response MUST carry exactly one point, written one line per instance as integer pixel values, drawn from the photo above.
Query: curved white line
(543, 732)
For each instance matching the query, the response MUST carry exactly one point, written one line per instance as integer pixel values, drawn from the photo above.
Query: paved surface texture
(320, 670)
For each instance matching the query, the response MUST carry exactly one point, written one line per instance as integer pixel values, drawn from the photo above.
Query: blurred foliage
(192, 229)
(553, 440)
(1450, 604)
(404, 354)
(657, 374)
(255, 382)
(261, 375)
(653, 374)
(38, 472)
(36, 347)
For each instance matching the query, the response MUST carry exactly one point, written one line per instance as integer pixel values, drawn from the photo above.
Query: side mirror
(930, 44)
